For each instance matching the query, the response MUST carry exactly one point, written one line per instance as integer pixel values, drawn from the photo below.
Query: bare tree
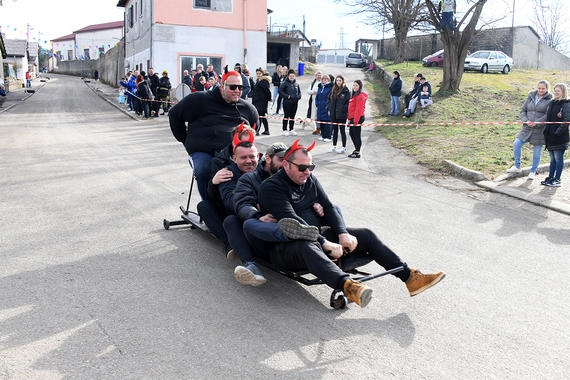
(549, 18)
(401, 15)
(456, 42)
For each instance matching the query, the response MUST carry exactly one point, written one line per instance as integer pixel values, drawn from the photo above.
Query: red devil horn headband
(237, 141)
(296, 146)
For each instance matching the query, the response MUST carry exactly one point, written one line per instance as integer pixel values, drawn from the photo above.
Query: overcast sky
(323, 18)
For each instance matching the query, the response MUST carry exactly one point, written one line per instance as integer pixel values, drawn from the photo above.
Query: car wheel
(484, 68)
(347, 65)
(506, 69)
(433, 64)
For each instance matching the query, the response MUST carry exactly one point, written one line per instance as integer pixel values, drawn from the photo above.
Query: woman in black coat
(261, 96)
(556, 133)
(337, 105)
(143, 92)
(291, 94)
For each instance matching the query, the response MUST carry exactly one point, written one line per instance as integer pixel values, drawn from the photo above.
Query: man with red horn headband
(202, 121)
(291, 193)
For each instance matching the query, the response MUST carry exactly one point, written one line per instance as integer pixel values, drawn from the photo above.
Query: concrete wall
(525, 48)
(109, 66)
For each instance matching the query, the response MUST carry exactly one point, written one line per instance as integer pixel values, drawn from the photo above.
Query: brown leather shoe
(357, 292)
(418, 282)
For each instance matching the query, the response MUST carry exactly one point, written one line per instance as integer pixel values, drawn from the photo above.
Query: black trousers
(289, 111)
(355, 132)
(262, 111)
(234, 230)
(302, 254)
(335, 130)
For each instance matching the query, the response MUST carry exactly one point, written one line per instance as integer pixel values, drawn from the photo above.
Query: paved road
(92, 286)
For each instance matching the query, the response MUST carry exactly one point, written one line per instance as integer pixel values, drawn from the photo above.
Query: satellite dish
(182, 90)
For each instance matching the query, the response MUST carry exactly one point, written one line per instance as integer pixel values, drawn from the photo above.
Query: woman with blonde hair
(556, 134)
(276, 81)
(533, 114)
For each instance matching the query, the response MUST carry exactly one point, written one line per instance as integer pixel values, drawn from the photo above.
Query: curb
(464, 172)
(134, 117)
(558, 206)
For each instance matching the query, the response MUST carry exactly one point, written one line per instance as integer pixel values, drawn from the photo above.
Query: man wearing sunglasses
(290, 194)
(202, 121)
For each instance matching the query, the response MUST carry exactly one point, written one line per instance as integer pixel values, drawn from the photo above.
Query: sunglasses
(234, 86)
(302, 168)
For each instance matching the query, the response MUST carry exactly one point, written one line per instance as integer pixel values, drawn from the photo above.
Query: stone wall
(109, 65)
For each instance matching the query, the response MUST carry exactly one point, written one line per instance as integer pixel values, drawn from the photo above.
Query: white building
(88, 42)
(177, 35)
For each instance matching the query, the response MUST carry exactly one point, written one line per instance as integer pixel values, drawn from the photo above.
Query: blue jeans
(395, 110)
(201, 163)
(537, 152)
(275, 94)
(556, 163)
(446, 20)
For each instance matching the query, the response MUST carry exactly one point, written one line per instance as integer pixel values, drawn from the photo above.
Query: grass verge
(483, 98)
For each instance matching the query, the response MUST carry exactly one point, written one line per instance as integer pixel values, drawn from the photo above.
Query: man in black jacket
(210, 115)
(154, 84)
(291, 193)
(414, 90)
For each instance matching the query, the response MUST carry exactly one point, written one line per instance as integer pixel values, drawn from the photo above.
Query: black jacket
(221, 160)
(396, 87)
(415, 89)
(154, 83)
(276, 79)
(290, 91)
(227, 188)
(143, 91)
(556, 135)
(210, 120)
(338, 107)
(187, 80)
(246, 191)
(283, 198)
(261, 91)
(164, 85)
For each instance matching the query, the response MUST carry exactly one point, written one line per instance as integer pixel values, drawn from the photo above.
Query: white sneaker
(332, 150)
(321, 138)
(292, 132)
(514, 169)
(285, 133)
(341, 150)
(531, 175)
(327, 140)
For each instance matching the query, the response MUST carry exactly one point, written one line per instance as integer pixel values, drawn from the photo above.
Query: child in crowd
(204, 83)
(425, 97)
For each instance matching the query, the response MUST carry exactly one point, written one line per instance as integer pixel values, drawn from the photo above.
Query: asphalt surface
(93, 287)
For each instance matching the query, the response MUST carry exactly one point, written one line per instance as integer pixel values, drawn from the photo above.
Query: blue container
(301, 70)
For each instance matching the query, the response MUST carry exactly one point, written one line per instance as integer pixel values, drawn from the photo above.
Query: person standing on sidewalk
(395, 93)
(276, 81)
(356, 109)
(533, 114)
(261, 98)
(337, 105)
(556, 133)
(291, 94)
(154, 85)
(321, 101)
(312, 110)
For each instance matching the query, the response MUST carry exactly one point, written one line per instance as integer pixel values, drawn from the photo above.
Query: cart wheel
(338, 301)
(166, 224)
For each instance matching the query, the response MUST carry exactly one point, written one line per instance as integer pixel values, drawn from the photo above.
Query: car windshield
(353, 55)
(480, 54)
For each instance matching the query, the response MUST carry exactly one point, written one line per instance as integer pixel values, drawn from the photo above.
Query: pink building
(177, 35)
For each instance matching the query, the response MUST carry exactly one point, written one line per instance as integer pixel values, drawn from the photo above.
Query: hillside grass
(483, 98)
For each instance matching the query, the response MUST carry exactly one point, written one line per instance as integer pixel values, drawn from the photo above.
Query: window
(101, 49)
(86, 53)
(493, 56)
(70, 54)
(130, 16)
(202, 4)
(191, 62)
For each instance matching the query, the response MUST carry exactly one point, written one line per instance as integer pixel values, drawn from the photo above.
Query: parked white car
(486, 60)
